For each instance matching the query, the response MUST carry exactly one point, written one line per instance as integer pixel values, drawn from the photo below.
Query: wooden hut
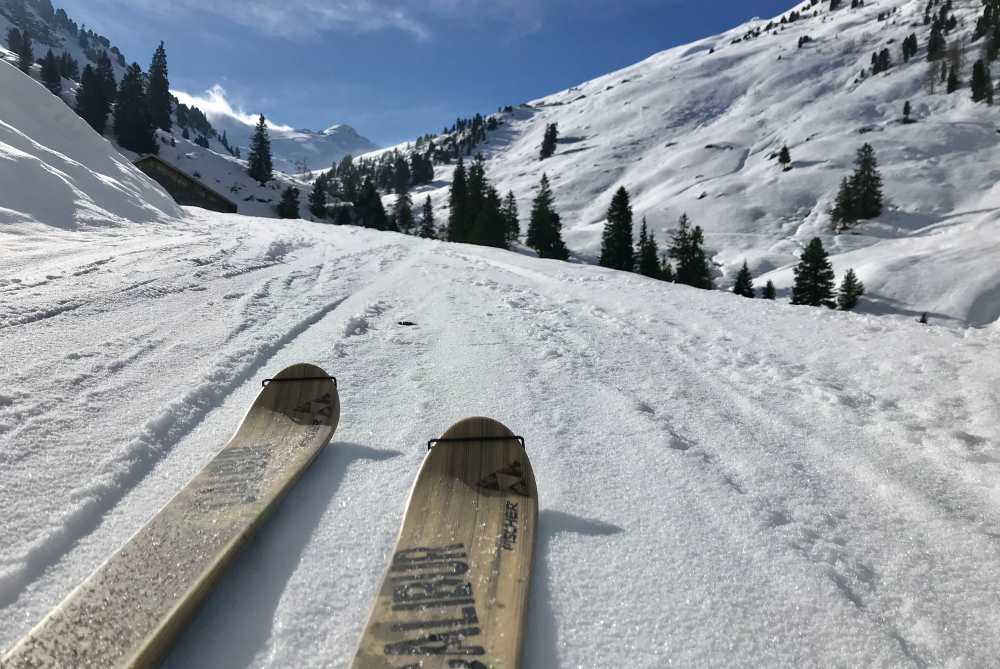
(184, 188)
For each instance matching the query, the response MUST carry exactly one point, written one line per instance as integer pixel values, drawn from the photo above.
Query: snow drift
(55, 170)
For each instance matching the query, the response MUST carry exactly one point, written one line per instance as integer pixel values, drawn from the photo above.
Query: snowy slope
(696, 131)
(55, 170)
(289, 146)
(723, 482)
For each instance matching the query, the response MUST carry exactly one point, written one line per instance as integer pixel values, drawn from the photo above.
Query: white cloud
(297, 18)
(215, 104)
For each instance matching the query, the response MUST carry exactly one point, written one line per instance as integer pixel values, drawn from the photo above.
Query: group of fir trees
(476, 212)
(618, 251)
(815, 281)
(96, 93)
(860, 195)
(20, 44)
(910, 47)
(142, 103)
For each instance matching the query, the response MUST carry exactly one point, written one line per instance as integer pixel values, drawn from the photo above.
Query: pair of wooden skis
(454, 595)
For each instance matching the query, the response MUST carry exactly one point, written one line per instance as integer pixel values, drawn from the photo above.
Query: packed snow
(722, 481)
(698, 128)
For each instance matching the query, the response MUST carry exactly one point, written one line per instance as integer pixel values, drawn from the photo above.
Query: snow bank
(55, 170)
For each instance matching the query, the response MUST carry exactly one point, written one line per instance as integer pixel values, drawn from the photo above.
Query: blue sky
(395, 69)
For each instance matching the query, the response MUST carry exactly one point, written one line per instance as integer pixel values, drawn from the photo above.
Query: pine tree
(14, 40)
(50, 74)
(402, 212)
(953, 82)
(133, 126)
(814, 278)
(867, 184)
(106, 81)
(289, 205)
(459, 227)
(490, 228)
(90, 103)
(850, 290)
(744, 282)
(158, 90)
(982, 83)
(785, 158)
(769, 291)
(370, 210)
(616, 243)
(511, 218)
(26, 54)
(844, 210)
(907, 110)
(317, 197)
(936, 44)
(666, 269)
(545, 225)
(687, 249)
(550, 140)
(427, 228)
(259, 165)
(477, 187)
(648, 253)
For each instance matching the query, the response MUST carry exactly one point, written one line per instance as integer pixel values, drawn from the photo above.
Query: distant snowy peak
(290, 147)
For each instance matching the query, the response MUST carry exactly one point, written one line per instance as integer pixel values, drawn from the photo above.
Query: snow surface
(723, 481)
(689, 130)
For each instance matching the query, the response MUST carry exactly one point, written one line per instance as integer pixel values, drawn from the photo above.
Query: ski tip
(478, 427)
(305, 393)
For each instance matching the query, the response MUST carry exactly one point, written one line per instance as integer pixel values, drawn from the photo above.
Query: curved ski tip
(477, 427)
(303, 370)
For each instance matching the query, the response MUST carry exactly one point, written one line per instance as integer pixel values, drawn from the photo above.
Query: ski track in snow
(722, 482)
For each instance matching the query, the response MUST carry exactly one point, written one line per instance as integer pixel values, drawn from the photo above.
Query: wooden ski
(455, 595)
(127, 612)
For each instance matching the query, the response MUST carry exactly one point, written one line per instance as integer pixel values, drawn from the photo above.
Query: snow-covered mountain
(290, 147)
(697, 129)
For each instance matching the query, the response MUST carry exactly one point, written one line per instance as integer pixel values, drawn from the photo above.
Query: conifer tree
(317, 197)
(90, 102)
(14, 40)
(648, 253)
(936, 44)
(511, 218)
(133, 126)
(867, 184)
(814, 278)
(744, 282)
(476, 187)
(785, 158)
(490, 228)
(982, 83)
(687, 250)
(666, 269)
(26, 53)
(953, 82)
(106, 80)
(50, 74)
(851, 289)
(158, 90)
(907, 110)
(370, 210)
(402, 212)
(459, 229)
(769, 292)
(545, 225)
(289, 205)
(844, 210)
(616, 243)
(427, 228)
(259, 164)
(550, 140)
